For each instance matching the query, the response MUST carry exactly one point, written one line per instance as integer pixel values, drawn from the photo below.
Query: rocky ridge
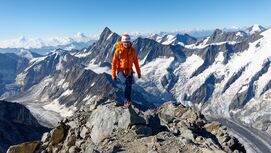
(107, 128)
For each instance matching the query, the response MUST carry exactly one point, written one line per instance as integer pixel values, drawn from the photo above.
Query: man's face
(126, 44)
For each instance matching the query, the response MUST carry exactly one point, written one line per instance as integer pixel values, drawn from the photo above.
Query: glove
(139, 76)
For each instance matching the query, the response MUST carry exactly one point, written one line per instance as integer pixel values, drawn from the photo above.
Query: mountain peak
(106, 30)
(218, 31)
(255, 29)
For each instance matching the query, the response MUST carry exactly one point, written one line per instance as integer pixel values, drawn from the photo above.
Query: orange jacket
(123, 61)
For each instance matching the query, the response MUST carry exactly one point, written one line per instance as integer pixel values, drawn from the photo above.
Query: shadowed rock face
(17, 125)
(150, 49)
(233, 78)
(221, 36)
(10, 66)
(186, 39)
(107, 128)
(204, 92)
(56, 62)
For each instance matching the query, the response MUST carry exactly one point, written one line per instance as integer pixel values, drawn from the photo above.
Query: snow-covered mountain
(223, 79)
(45, 45)
(225, 74)
(255, 29)
(230, 35)
(174, 39)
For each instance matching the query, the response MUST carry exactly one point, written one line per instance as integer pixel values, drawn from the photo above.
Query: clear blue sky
(44, 18)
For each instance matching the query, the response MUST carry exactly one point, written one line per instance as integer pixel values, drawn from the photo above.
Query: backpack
(118, 46)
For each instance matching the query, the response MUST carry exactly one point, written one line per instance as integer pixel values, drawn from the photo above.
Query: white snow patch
(61, 109)
(97, 69)
(60, 82)
(109, 36)
(203, 44)
(38, 59)
(239, 34)
(81, 55)
(86, 98)
(92, 84)
(34, 61)
(65, 85)
(67, 93)
(170, 39)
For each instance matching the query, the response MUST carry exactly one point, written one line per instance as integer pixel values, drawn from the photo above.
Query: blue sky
(45, 18)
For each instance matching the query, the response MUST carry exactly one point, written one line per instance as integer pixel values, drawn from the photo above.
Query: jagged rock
(188, 134)
(57, 134)
(57, 148)
(74, 149)
(74, 124)
(112, 129)
(79, 143)
(45, 137)
(170, 112)
(84, 132)
(28, 147)
(142, 130)
(190, 116)
(70, 139)
(88, 147)
(212, 126)
(107, 118)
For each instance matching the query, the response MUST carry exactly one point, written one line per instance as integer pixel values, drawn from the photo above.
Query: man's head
(126, 40)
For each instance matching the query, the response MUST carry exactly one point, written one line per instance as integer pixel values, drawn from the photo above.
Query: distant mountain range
(43, 46)
(80, 40)
(225, 74)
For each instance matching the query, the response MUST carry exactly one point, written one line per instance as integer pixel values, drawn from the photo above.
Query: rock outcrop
(18, 125)
(107, 128)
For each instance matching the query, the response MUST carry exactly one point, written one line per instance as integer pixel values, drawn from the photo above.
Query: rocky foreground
(107, 128)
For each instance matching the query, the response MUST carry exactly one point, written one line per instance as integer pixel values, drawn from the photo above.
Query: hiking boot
(127, 104)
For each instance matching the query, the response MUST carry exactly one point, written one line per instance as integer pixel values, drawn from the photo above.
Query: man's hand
(139, 76)
(114, 78)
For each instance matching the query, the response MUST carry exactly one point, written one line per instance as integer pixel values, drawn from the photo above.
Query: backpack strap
(119, 53)
(133, 52)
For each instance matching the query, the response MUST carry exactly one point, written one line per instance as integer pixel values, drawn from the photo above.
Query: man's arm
(114, 64)
(137, 64)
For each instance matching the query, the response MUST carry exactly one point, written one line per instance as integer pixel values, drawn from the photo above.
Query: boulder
(28, 147)
(57, 134)
(107, 118)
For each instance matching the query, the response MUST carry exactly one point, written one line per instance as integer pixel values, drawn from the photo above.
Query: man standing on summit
(122, 64)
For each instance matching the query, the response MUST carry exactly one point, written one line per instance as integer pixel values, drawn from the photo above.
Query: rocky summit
(169, 128)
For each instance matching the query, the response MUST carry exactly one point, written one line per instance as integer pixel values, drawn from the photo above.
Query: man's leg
(128, 90)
